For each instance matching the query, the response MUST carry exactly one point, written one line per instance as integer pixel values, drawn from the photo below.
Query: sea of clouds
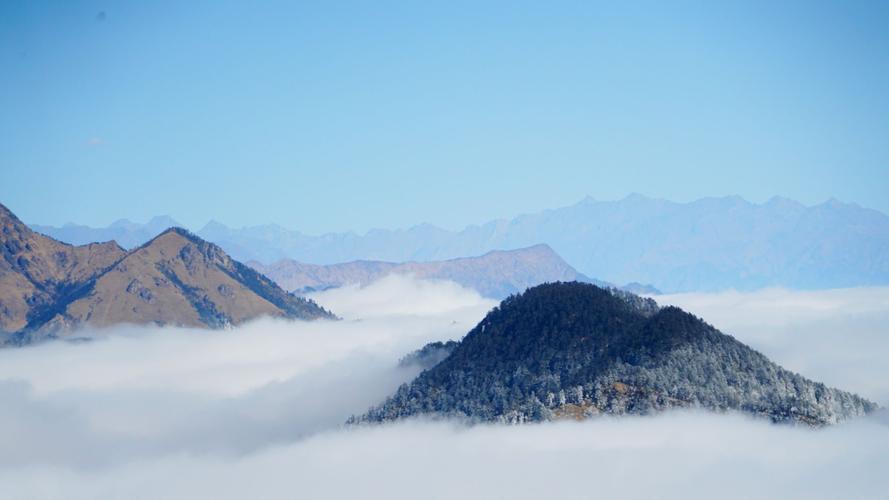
(257, 411)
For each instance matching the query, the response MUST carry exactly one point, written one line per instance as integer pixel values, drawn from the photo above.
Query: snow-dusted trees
(577, 347)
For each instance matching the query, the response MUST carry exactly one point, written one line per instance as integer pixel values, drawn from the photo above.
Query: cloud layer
(672, 456)
(257, 411)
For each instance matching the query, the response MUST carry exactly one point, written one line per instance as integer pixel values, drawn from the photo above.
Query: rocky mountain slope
(708, 244)
(496, 274)
(573, 350)
(35, 270)
(47, 288)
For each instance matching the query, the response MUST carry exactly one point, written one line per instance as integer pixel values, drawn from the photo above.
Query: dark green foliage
(575, 350)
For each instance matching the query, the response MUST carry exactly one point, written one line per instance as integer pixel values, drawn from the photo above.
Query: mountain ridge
(495, 274)
(35, 269)
(710, 244)
(174, 278)
(574, 350)
(126, 233)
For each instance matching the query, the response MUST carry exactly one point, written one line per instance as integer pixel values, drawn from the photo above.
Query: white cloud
(139, 391)
(256, 412)
(671, 456)
(236, 361)
(400, 294)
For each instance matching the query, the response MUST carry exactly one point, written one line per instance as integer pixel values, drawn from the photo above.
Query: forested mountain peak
(574, 350)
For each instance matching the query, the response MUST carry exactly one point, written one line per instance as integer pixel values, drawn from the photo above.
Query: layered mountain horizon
(567, 348)
(496, 274)
(705, 245)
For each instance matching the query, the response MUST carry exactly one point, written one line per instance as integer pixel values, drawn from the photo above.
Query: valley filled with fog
(258, 410)
(444, 250)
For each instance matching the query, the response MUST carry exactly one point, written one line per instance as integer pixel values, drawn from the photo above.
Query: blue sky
(335, 116)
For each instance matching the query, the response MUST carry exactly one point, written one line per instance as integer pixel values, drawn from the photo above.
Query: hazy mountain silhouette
(708, 244)
(495, 274)
(126, 233)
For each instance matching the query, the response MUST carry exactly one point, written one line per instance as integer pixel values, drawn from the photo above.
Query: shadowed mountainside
(36, 269)
(573, 350)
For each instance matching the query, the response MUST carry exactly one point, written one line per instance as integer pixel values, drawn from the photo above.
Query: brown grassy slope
(179, 279)
(48, 287)
(35, 269)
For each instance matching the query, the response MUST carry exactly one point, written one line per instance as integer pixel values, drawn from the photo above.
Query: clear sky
(331, 116)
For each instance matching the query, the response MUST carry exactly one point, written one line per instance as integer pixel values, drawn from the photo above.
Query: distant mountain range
(574, 350)
(709, 244)
(127, 234)
(496, 274)
(48, 287)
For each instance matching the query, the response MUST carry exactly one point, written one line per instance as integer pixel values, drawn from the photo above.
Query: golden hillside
(48, 288)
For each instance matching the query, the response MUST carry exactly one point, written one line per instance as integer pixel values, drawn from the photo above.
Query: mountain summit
(496, 274)
(573, 350)
(35, 270)
(176, 278)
